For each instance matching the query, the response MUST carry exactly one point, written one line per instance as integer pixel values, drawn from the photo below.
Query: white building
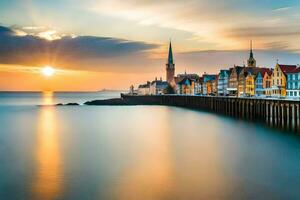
(144, 89)
(158, 87)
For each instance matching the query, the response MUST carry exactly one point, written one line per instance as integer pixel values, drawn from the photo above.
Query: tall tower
(251, 60)
(170, 67)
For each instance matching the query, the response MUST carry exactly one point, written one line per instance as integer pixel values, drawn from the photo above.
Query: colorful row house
(279, 79)
(186, 86)
(223, 80)
(293, 84)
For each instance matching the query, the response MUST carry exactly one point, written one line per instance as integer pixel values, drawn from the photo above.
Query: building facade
(158, 87)
(293, 84)
(279, 79)
(185, 86)
(223, 80)
(209, 80)
(267, 82)
(144, 89)
(233, 80)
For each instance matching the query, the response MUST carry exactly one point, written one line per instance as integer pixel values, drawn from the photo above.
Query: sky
(96, 44)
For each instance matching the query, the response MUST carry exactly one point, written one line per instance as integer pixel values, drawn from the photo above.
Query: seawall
(283, 114)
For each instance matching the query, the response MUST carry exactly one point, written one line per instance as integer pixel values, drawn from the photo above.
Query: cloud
(81, 52)
(259, 31)
(214, 24)
(282, 9)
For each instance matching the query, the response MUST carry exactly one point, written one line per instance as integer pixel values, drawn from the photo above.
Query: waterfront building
(214, 86)
(144, 89)
(279, 79)
(210, 84)
(258, 84)
(246, 81)
(194, 77)
(267, 82)
(233, 80)
(223, 80)
(158, 87)
(185, 86)
(250, 85)
(170, 68)
(247, 76)
(262, 81)
(199, 86)
(293, 84)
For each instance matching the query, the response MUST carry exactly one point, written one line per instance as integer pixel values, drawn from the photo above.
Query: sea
(138, 152)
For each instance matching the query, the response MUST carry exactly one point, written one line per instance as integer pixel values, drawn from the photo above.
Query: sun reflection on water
(47, 183)
(47, 98)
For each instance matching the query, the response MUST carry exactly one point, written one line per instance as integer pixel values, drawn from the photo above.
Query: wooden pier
(283, 114)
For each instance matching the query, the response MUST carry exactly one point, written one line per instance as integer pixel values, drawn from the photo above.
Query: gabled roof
(185, 81)
(249, 71)
(287, 68)
(191, 76)
(296, 70)
(209, 77)
(238, 69)
(147, 85)
(265, 70)
(159, 82)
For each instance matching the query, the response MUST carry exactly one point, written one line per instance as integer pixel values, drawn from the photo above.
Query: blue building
(293, 84)
(223, 81)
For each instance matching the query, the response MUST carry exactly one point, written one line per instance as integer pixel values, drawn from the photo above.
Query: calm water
(138, 153)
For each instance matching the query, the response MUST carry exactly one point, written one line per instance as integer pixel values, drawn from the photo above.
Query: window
(295, 94)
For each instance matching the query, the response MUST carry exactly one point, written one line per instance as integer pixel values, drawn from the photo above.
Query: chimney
(160, 79)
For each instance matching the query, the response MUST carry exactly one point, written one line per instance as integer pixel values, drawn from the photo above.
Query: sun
(48, 71)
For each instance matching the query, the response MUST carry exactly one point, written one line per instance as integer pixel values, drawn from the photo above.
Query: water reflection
(48, 98)
(150, 175)
(47, 183)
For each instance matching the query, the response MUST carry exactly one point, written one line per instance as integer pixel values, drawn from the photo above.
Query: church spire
(251, 60)
(170, 68)
(251, 51)
(170, 57)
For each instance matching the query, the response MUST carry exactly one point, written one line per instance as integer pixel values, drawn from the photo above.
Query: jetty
(280, 113)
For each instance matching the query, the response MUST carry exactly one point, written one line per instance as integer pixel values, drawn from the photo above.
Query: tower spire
(170, 67)
(251, 50)
(170, 57)
(251, 60)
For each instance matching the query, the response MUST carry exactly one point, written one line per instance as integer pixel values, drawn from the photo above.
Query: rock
(67, 104)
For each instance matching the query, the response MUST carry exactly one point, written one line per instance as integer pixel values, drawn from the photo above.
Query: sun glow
(48, 71)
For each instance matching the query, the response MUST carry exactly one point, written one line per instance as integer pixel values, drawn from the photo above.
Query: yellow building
(267, 82)
(250, 86)
(279, 79)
